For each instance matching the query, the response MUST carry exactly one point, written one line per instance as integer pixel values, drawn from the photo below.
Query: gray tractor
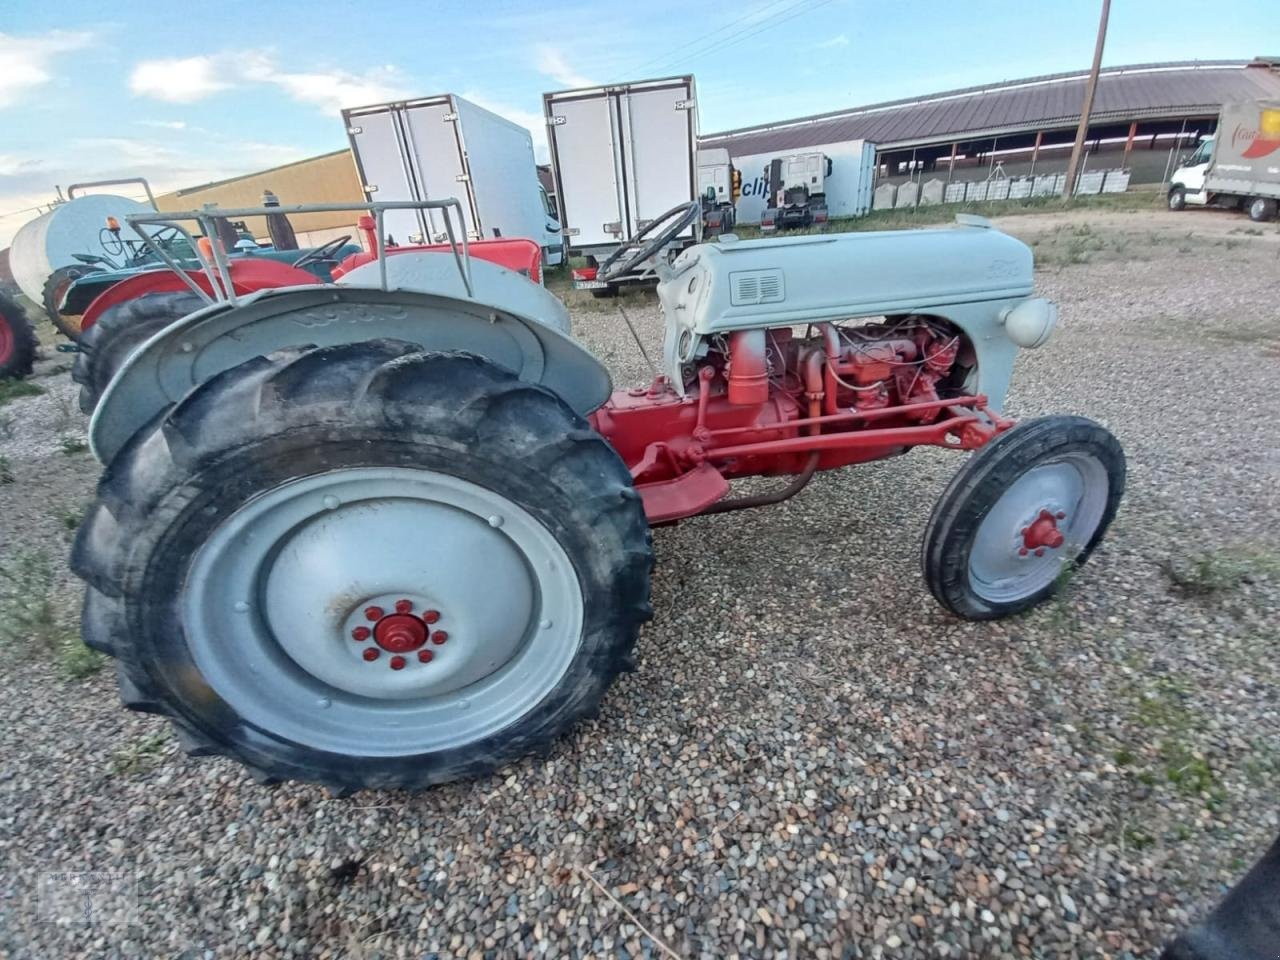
(394, 531)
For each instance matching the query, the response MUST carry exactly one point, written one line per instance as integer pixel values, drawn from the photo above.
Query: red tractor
(394, 531)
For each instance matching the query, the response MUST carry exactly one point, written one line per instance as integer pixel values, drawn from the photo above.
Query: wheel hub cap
(400, 633)
(1043, 532)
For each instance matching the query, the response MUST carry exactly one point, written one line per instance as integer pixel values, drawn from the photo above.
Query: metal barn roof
(1124, 93)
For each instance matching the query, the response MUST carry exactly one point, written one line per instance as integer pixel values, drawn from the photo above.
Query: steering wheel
(639, 249)
(325, 251)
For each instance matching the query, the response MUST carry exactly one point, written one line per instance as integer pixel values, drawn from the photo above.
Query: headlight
(1030, 323)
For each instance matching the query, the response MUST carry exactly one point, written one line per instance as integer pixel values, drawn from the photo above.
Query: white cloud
(553, 63)
(187, 79)
(839, 40)
(179, 79)
(163, 124)
(331, 90)
(25, 62)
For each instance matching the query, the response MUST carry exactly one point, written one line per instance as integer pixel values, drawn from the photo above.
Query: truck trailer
(719, 186)
(622, 156)
(845, 184)
(1238, 166)
(434, 148)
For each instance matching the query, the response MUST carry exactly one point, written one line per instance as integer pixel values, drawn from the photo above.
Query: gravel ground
(813, 759)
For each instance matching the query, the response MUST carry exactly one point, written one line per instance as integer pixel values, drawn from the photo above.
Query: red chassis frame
(683, 451)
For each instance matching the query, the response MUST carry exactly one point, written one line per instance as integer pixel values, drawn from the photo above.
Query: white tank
(48, 242)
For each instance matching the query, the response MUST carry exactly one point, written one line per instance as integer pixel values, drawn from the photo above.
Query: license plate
(590, 285)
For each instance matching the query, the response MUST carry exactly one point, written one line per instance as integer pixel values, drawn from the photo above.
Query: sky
(186, 93)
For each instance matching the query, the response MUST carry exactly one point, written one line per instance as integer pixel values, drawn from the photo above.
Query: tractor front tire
(107, 343)
(55, 287)
(1033, 502)
(277, 563)
(17, 340)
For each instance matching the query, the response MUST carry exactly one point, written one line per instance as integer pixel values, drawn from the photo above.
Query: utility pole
(1082, 131)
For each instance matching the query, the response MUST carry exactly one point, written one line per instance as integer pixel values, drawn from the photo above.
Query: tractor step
(685, 496)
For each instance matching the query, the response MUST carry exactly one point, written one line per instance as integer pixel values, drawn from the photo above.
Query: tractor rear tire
(247, 547)
(989, 548)
(107, 343)
(17, 340)
(54, 289)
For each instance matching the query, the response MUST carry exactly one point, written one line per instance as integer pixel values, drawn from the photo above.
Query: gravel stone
(812, 758)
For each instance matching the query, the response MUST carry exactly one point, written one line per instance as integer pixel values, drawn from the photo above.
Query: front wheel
(1260, 209)
(1177, 198)
(1028, 505)
(367, 566)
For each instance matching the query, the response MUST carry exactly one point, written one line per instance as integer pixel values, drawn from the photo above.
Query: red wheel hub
(400, 633)
(1044, 532)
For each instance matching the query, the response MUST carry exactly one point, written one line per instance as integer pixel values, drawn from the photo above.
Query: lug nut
(1039, 551)
(404, 606)
(397, 663)
(1062, 515)
(439, 637)
(373, 613)
(371, 653)
(360, 633)
(1023, 551)
(424, 656)
(431, 616)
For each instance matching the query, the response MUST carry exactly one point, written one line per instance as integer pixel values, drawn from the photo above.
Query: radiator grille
(748, 287)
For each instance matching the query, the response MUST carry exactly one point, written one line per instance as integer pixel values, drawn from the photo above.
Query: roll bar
(219, 271)
(71, 190)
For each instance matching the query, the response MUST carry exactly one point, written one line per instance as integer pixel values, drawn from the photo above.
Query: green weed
(26, 600)
(12, 389)
(138, 756)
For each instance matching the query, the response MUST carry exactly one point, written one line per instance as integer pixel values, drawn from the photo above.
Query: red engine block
(765, 402)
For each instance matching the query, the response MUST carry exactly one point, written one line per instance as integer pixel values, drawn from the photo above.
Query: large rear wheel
(1028, 505)
(17, 340)
(367, 566)
(107, 343)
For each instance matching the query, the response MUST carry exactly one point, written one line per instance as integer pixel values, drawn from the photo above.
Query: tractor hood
(971, 275)
(739, 284)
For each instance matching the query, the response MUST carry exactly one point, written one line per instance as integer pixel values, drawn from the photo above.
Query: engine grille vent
(750, 287)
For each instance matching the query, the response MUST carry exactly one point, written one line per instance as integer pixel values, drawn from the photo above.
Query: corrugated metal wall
(330, 178)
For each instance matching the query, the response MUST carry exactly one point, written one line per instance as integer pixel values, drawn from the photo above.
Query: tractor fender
(247, 275)
(525, 331)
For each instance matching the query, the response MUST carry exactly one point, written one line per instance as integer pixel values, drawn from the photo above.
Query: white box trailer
(621, 156)
(438, 147)
(847, 187)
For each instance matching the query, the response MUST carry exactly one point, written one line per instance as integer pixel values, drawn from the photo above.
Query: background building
(329, 178)
(1141, 115)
